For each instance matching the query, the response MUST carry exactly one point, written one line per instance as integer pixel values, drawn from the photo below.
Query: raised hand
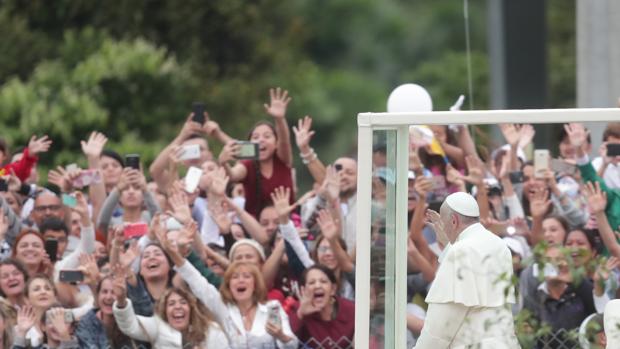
(423, 186)
(178, 202)
(94, 146)
(597, 199)
(454, 176)
(26, 318)
(433, 219)
(219, 181)
(329, 228)
(511, 133)
(229, 152)
(601, 275)
(219, 213)
(577, 134)
(526, 134)
(330, 189)
(539, 202)
(475, 171)
(124, 181)
(38, 145)
(88, 266)
(119, 285)
(281, 197)
(278, 104)
(303, 133)
(57, 319)
(190, 128)
(126, 258)
(82, 206)
(306, 304)
(60, 178)
(12, 181)
(136, 178)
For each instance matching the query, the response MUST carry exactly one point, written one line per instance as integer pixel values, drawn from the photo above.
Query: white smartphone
(190, 152)
(550, 271)
(274, 315)
(173, 224)
(192, 178)
(541, 162)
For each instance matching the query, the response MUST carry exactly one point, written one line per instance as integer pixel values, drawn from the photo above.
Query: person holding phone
(132, 194)
(273, 165)
(607, 165)
(240, 305)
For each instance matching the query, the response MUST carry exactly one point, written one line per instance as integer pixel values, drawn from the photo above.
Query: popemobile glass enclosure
(382, 222)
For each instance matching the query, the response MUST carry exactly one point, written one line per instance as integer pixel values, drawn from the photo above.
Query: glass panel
(383, 215)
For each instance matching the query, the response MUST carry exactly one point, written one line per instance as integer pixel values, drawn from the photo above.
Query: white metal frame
(369, 122)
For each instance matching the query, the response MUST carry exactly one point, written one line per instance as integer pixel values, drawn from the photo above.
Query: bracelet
(307, 161)
(308, 154)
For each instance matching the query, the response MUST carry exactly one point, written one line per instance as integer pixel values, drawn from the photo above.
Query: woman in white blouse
(180, 321)
(249, 321)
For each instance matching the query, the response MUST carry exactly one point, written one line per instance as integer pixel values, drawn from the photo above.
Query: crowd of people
(203, 250)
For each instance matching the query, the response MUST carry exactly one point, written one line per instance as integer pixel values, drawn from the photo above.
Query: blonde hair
(260, 290)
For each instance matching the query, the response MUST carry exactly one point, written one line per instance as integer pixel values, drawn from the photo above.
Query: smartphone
(198, 108)
(132, 161)
(274, 315)
(541, 162)
(516, 177)
(71, 276)
(72, 167)
(613, 149)
(135, 230)
(190, 152)
(247, 150)
(562, 166)
(69, 200)
(173, 224)
(86, 178)
(51, 248)
(192, 178)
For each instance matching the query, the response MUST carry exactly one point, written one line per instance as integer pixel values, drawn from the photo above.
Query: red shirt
(281, 176)
(316, 333)
(22, 167)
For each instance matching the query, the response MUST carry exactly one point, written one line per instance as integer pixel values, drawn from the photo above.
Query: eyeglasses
(47, 207)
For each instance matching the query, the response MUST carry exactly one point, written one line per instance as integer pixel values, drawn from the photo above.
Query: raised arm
(92, 150)
(597, 201)
(277, 109)
(237, 172)
(303, 135)
(475, 176)
(539, 205)
(331, 230)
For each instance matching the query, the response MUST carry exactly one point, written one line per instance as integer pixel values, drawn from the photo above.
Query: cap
(249, 242)
(464, 204)
(514, 245)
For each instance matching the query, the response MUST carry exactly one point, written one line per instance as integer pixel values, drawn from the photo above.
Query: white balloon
(409, 98)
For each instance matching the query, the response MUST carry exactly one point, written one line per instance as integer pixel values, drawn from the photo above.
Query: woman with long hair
(272, 167)
(240, 306)
(180, 321)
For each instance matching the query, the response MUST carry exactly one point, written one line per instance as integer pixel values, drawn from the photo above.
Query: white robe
(469, 301)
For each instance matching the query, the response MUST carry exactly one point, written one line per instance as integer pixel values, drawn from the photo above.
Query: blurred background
(132, 68)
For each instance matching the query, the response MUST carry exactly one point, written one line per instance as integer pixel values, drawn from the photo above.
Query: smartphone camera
(198, 108)
(132, 161)
(613, 149)
(247, 150)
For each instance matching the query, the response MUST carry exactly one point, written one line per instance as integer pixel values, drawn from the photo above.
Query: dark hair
(19, 266)
(612, 130)
(55, 224)
(265, 123)
(170, 263)
(102, 261)
(589, 234)
(114, 155)
(330, 274)
(562, 221)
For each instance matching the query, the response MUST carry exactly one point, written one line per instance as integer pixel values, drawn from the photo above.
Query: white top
(230, 317)
(156, 331)
(475, 271)
(611, 323)
(467, 302)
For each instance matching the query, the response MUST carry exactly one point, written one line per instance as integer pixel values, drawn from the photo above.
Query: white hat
(464, 204)
(249, 242)
(514, 245)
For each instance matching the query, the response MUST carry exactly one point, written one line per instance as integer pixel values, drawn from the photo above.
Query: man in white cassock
(469, 300)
